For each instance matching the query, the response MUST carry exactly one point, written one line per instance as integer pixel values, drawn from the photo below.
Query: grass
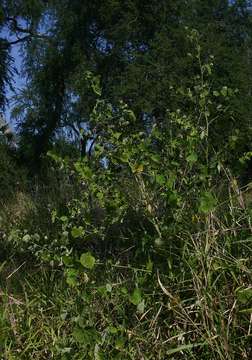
(190, 299)
(32, 317)
(199, 309)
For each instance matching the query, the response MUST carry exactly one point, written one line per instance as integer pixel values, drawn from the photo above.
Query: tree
(139, 52)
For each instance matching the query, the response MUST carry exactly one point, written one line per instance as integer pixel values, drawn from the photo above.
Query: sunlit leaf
(135, 297)
(87, 260)
(77, 232)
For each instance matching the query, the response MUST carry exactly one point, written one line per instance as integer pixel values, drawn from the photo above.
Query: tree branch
(18, 29)
(14, 42)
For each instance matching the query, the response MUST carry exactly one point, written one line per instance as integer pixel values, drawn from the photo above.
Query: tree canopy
(138, 52)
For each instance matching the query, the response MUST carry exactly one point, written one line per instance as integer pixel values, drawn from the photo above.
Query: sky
(17, 80)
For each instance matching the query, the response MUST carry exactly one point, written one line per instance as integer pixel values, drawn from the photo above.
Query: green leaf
(67, 260)
(26, 238)
(160, 179)
(192, 158)
(141, 307)
(130, 115)
(224, 91)
(117, 135)
(135, 297)
(77, 232)
(207, 203)
(54, 215)
(95, 83)
(208, 68)
(72, 277)
(112, 330)
(149, 265)
(125, 157)
(87, 260)
(108, 287)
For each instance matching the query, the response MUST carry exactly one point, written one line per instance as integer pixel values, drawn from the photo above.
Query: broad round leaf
(87, 260)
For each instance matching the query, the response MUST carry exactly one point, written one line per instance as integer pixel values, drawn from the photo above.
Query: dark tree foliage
(4, 61)
(138, 50)
(18, 22)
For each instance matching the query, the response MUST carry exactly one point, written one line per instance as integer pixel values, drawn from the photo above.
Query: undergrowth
(199, 307)
(141, 250)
